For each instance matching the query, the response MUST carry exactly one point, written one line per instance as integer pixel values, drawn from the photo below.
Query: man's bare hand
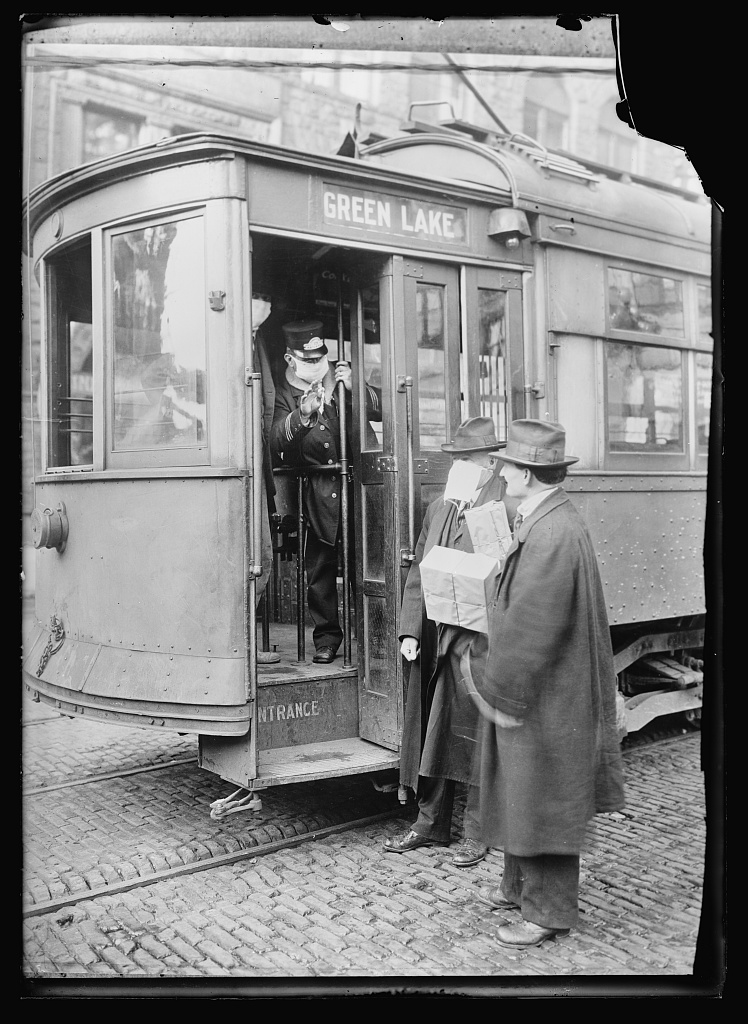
(343, 372)
(311, 402)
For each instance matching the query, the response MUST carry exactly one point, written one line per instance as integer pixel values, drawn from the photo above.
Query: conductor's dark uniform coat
(318, 444)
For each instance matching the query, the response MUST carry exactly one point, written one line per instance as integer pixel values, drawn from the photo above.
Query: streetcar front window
(158, 315)
(70, 357)
(645, 398)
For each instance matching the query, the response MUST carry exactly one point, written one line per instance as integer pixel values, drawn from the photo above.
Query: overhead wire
(53, 60)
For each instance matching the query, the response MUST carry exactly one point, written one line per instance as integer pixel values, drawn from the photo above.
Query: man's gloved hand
(409, 648)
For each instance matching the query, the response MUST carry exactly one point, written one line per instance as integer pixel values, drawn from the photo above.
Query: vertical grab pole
(300, 565)
(254, 380)
(344, 514)
(407, 555)
(344, 511)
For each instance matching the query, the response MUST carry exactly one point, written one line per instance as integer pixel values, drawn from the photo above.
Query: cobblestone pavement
(331, 907)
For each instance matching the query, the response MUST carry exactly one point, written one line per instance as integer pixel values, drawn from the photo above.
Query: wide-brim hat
(477, 434)
(537, 444)
(304, 338)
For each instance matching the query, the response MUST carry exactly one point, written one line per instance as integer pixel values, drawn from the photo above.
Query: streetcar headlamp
(509, 226)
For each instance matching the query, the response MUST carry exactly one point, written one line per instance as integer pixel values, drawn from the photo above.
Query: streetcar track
(220, 860)
(632, 742)
(51, 906)
(107, 776)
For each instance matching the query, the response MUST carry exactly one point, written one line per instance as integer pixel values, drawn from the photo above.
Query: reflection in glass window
(70, 357)
(703, 400)
(492, 333)
(158, 290)
(645, 302)
(432, 407)
(645, 399)
(704, 292)
(371, 432)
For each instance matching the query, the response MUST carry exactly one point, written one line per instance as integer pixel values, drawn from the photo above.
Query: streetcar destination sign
(382, 214)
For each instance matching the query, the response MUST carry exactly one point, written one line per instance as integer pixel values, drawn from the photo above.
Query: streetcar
(460, 272)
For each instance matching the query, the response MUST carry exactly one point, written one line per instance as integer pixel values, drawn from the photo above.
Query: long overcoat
(440, 731)
(318, 444)
(550, 664)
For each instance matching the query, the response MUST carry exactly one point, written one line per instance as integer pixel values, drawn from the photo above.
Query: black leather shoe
(496, 899)
(324, 655)
(410, 841)
(470, 852)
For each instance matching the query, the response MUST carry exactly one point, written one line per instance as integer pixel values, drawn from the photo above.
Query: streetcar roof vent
(548, 161)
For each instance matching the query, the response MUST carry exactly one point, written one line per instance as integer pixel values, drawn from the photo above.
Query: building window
(616, 142)
(106, 132)
(546, 113)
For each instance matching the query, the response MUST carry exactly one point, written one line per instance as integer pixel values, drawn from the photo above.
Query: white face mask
(310, 373)
(465, 478)
(261, 310)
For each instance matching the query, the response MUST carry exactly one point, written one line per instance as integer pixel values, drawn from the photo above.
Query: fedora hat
(476, 434)
(304, 339)
(536, 444)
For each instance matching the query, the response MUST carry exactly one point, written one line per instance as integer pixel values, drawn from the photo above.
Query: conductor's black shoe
(324, 655)
(469, 852)
(410, 841)
(496, 899)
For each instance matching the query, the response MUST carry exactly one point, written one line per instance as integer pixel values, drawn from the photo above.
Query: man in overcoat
(440, 731)
(550, 755)
(306, 433)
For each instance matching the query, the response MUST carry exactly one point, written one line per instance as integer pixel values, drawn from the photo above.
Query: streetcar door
(443, 343)
(406, 325)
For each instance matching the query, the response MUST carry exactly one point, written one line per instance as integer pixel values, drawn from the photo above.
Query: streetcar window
(704, 293)
(703, 400)
(645, 398)
(645, 303)
(371, 432)
(158, 315)
(70, 355)
(432, 400)
(492, 332)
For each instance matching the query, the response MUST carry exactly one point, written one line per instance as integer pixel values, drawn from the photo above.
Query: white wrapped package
(488, 526)
(459, 586)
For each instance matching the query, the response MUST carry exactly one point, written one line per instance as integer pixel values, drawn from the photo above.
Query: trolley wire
(46, 61)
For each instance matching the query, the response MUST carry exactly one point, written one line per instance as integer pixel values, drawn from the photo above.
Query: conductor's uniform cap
(304, 339)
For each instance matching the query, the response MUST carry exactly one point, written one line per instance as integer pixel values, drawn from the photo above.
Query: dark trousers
(546, 888)
(322, 591)
(435, 802)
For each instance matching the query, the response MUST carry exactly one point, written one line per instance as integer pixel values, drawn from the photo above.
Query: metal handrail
(342, 469)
